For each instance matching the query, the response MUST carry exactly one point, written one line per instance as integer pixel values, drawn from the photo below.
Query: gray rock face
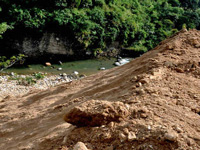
(46, 46)
(49, 43)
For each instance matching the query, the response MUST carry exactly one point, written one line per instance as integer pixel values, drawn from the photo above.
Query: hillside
(152, 102)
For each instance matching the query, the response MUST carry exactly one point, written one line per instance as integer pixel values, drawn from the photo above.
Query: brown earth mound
(97, 113)
(152, 103)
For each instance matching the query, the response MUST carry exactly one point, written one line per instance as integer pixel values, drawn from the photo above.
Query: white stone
(131, 136)
(12, 73)
(122, 137)
(124, 61)
(75, 72)
(102, 68)
(80, 146)
(117, 64)
(59, 69)
(171, 136)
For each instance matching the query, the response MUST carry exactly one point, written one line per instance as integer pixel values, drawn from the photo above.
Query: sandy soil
(151, 103)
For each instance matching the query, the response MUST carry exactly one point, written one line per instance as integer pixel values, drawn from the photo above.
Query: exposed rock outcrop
(48, 46)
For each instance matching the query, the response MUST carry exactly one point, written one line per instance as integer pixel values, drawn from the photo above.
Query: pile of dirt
(96, 113)
(152, 102)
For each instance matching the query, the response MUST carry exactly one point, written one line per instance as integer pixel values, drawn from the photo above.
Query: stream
(86, 67)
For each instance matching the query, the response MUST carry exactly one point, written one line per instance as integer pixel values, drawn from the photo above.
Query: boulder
(96, 113)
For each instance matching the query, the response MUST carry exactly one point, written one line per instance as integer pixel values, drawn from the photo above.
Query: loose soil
(151, 103)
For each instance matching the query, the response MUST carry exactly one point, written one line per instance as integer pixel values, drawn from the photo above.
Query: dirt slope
(151, 103)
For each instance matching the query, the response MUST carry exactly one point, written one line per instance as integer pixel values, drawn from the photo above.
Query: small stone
(59, 69)
(152, 77)
(122, 137)
(126, 130)
(143, 81)
(171, 136)
(179, 70)
(178, 129)
(134, 78)
(141, 91)
(12, 73)
(195, 96)
(75, 72)
(139, 84)
(48, 64)
(117, 64)
(143, 115)
(192, 69)
(127, 106)
(131, 136)
(64, 148)
(102, 68)
(149, 127)
(197, 46)
(111, 124)
(80, 146)
(64, 74)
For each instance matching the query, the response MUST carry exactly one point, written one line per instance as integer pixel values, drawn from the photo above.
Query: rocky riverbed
(18, 85)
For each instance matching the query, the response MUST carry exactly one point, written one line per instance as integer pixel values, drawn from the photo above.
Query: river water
(86, 67)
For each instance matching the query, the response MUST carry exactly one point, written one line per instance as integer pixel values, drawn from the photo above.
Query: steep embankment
(151, 103)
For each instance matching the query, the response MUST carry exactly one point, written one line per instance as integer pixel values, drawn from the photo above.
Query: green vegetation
(27, 80)
(94, 24)
(38, 76)
(3, 27)
(6, 63)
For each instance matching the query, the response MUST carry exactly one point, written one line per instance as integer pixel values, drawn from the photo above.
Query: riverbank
(18, 85)
(19, 81)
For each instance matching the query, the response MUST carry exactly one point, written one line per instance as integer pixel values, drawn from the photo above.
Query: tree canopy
(136, 24)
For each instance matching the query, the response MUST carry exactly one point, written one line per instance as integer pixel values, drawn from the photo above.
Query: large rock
(96, 113)
(47, 45)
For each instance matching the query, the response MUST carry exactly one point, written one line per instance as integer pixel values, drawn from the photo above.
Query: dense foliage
(137, 24)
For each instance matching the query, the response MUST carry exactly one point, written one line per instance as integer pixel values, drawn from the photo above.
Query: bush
(38, 76)
(27, 80)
